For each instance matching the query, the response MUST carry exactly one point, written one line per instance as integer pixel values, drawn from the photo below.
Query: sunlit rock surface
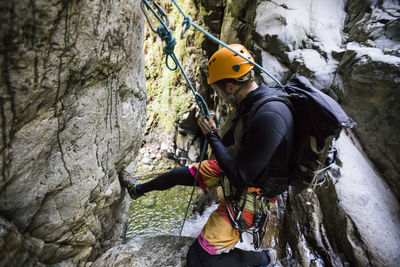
(73, 100)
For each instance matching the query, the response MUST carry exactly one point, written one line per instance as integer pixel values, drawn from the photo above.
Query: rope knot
(166, 35)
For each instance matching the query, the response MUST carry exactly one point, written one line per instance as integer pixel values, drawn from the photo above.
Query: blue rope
(170, 42)
(203, 152)
(167, 35)
(187, 22)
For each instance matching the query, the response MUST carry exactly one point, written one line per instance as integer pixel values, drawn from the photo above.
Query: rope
(203, 152)
(167, 35)
(170, 42)
(187, 22)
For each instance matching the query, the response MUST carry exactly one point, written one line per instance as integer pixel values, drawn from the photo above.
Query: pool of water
(160, 212)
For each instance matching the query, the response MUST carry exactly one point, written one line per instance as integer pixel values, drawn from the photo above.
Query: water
(194, 225)
(160, 213)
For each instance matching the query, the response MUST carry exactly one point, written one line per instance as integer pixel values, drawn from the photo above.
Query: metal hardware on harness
(260, 223)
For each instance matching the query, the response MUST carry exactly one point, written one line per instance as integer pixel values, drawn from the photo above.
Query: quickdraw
(261, 214)
(164, 22)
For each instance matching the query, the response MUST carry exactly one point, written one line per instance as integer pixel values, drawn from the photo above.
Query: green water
(159, 212)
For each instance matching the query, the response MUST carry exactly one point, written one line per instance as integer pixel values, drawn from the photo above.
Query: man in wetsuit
(256, 147)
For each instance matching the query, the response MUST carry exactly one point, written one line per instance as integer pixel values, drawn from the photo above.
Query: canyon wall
(73, 112)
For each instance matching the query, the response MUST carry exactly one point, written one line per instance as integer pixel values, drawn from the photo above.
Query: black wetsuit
(265, 148)
(266, 143)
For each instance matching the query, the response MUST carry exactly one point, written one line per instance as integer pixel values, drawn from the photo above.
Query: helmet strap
(232, 97)
(243, 85)
(244, 81)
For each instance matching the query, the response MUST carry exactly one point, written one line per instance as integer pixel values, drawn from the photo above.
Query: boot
(129, 183)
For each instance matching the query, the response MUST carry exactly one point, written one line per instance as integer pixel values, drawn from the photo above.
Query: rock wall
(317, 39)
(73, 110)
(368, 81)
(351, 47)
(155, 251)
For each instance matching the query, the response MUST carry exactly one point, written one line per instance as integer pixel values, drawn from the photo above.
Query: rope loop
(170, 42)
(173, 59)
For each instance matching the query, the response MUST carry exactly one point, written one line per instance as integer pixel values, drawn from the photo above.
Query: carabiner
(162, 13)
(187, 22)
(201, 103)
(162, 18)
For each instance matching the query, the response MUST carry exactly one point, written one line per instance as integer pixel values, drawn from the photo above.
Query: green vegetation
(168, 94)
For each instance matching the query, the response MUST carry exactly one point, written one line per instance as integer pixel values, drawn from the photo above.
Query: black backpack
(318, 120)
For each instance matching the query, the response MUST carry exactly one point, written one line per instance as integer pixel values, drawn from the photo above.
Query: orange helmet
(225, 64)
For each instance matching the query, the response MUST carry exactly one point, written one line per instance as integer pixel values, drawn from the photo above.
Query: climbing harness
(235, 212)
(167, 35)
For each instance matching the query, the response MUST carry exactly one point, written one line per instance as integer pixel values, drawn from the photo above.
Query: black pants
(177, 176)
(198, 257)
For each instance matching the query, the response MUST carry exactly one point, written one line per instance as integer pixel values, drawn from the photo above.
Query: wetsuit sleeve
(265, 132)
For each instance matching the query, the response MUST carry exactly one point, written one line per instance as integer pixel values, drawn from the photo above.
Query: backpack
(318, 121)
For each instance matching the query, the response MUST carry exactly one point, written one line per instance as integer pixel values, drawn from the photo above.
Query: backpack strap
(261, 102)
(268, 98)
(284, 99)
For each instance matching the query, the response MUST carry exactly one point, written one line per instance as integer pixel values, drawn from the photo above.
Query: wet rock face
(368, 80)
(73, 109)
(351, 47)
